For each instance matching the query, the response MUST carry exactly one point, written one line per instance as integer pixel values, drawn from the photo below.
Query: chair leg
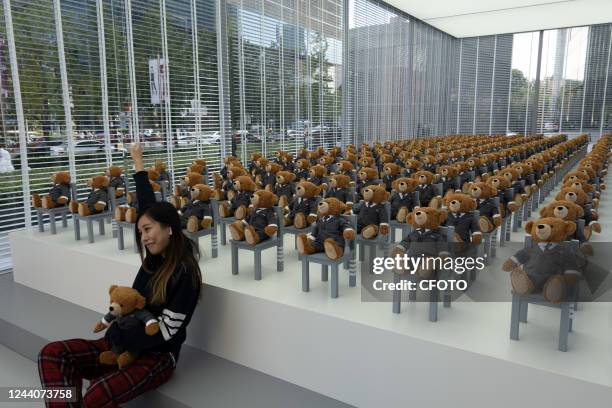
(234, 260)
(52, 224)
(280, 256)
(39, 219)
(257, 255)
(120, 242)
(305, 274)
(101, 224)
(433, 305)
(352, 267)
(65, 219)
(446, 298)
(90, 233)
(508, 221)
(564, 326)
(514, 317)
(334, 280)
(223, 234)
(77, 228)
(493, 248)
(324, 275)
(523, 311)
(214, 243)
(397, 295)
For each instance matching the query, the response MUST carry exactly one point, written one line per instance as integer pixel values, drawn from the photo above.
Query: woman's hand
(136, 153)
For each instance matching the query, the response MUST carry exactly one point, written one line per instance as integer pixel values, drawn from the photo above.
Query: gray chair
(489, 239)
(276, 241)
(348, 258)
(506, 225)
(403, 226)
(290, 229)
(518, 215)
(434, 294)
(106, 215)
(212, 231)
(368, 247)
(520, 305)
(52, 213)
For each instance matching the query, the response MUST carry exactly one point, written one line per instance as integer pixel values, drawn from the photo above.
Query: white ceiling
(462, 18)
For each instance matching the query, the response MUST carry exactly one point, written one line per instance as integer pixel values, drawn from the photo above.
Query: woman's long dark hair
(180, 250)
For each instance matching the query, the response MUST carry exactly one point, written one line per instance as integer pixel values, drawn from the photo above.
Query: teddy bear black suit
(399, 200)
(198, 208)
(342, 194)
(59, 190)
(268, 179)
(286, 190)
(259, 219)
(117, 182)
(487, 207)
(423, 241)
(370, 214)
(96, 195)
(306, 206)
(465, 224)
(242, 198)
(426, 193)
(329, 226)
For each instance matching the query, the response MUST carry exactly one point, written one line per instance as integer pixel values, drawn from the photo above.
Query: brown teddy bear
(345, 167)
(447, 175)
(367, 176)
(460, 207)
(568, 211)
(284, 188)
(507, 205)
(426, 239)
(327, 162)
(372, 216)
(238, 205)
(126, 311)
(116, 180)
(411, 166)
(550, 265)
(195, 168)
(268, 178)
(578, 196)
(58, 195)
(339, 188)
(425, 189)
(316, 175)
(403, 199)
(484, 194)
(391, 172)
(227, 190)
(182, 192)
(302, 208)
(97, 201)
(302, 169)
(259, 168)
(520, 192)
(287, 162)
(366, 161)
(160, 168)
(128, 212)
(197, 214)
(329, 232)
(261, 223)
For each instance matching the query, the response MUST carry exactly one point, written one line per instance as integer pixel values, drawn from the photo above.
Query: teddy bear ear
(570, 227)
(140, 302)
(112, 288)
(410, 218)
(442, 215)
(528, 226)
(544, 211)
(274, 199)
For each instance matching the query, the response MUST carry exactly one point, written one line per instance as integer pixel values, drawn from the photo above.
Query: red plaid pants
(66, 363)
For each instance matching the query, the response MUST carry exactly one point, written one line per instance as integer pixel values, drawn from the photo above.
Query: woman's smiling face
(153, 235)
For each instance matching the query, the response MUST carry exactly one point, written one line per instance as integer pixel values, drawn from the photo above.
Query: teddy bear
(328, 163)
(476, 164)
(589, 189)
(259, 168)
(424, 187)
(126, 311)
(467, 229)
(128, 212)
(284, 188)
(252, 167)
(372, 216)
(550, 266)
(520, 192)
(484, 194)
(428, 163)
(227, 190)
(345, 167)
(302, 208)
(316, 174)
(339, 188)
(238, 205)
(367, 176)
(578, 196)
(197, 214)
(160, 168)
(182, 192)
(568, 211)
(261, 223)
(287, 162)
(313, 157)
(302, 169)
(366, 161)
(116, 180)
(195, 168)
(403, 199)
(411, 166)
(97, 200)
(425, 239)
(390, 173)
(507, 204)
(268, 178)
(330, 231)
(447, 175)
(58, 195)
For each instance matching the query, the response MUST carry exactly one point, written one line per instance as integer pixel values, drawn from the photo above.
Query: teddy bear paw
(108, 358)
(521, 284)
(152, 329)
(125, 359)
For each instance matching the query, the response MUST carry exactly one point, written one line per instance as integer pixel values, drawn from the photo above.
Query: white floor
(478, 327)
(17, 371)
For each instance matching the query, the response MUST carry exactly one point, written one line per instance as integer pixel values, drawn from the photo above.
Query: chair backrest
(279, 220)
(509, 193)
(483, 169)
(471, 176)
(417, 198)
(73, 192)
(502, 162)
(438, 189)
(215, 211)
(497, 203)
(457, 181)
(580, 223)
(112, 199)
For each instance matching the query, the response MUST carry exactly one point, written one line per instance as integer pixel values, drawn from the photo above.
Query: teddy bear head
(261, 162)
(587, 171)
(411, 164)
(193, 178)
(573, 194)
(244, 183)
(350, 156)
(287, 158)
(566, 210)
(550, 229)
(200, 162)
(535, 163)
(459, 203)
(474, 162)
(367, 173)
(201, 192)
(61, 177)
(235, 171)
(510, 174)
(590, 164)
(114, 171)
(404, 185)
(195, 168)
(366, 161)
(302, 164)
(98, 182)
(428, 159)
(255, 157)
(426, 217)
(392, 169)
(386, 158)
(160, 165)
(447, 171)
(482, 190)
(374, 194)
(125, 300)
(306, 189)
(522, 169)
(340, 181)
(153, 176)
(273, 168)
(330, 206)
(229, 159)
(461, 166)
(284, 177)
(441, 157)
(314, 155)
(264, 199)
(423, 177)
(317, 171)
(498, 182)
(344, 166)
(326, 160)
(581, 184)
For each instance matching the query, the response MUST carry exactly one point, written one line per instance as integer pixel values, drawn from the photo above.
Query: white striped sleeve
(170, 323)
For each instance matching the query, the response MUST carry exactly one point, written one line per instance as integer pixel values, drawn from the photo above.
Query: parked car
(209, 138)
(250, 138)
(83, 146)
(186, 139)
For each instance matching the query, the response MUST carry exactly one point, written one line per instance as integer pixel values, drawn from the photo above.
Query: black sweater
(181, 296)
